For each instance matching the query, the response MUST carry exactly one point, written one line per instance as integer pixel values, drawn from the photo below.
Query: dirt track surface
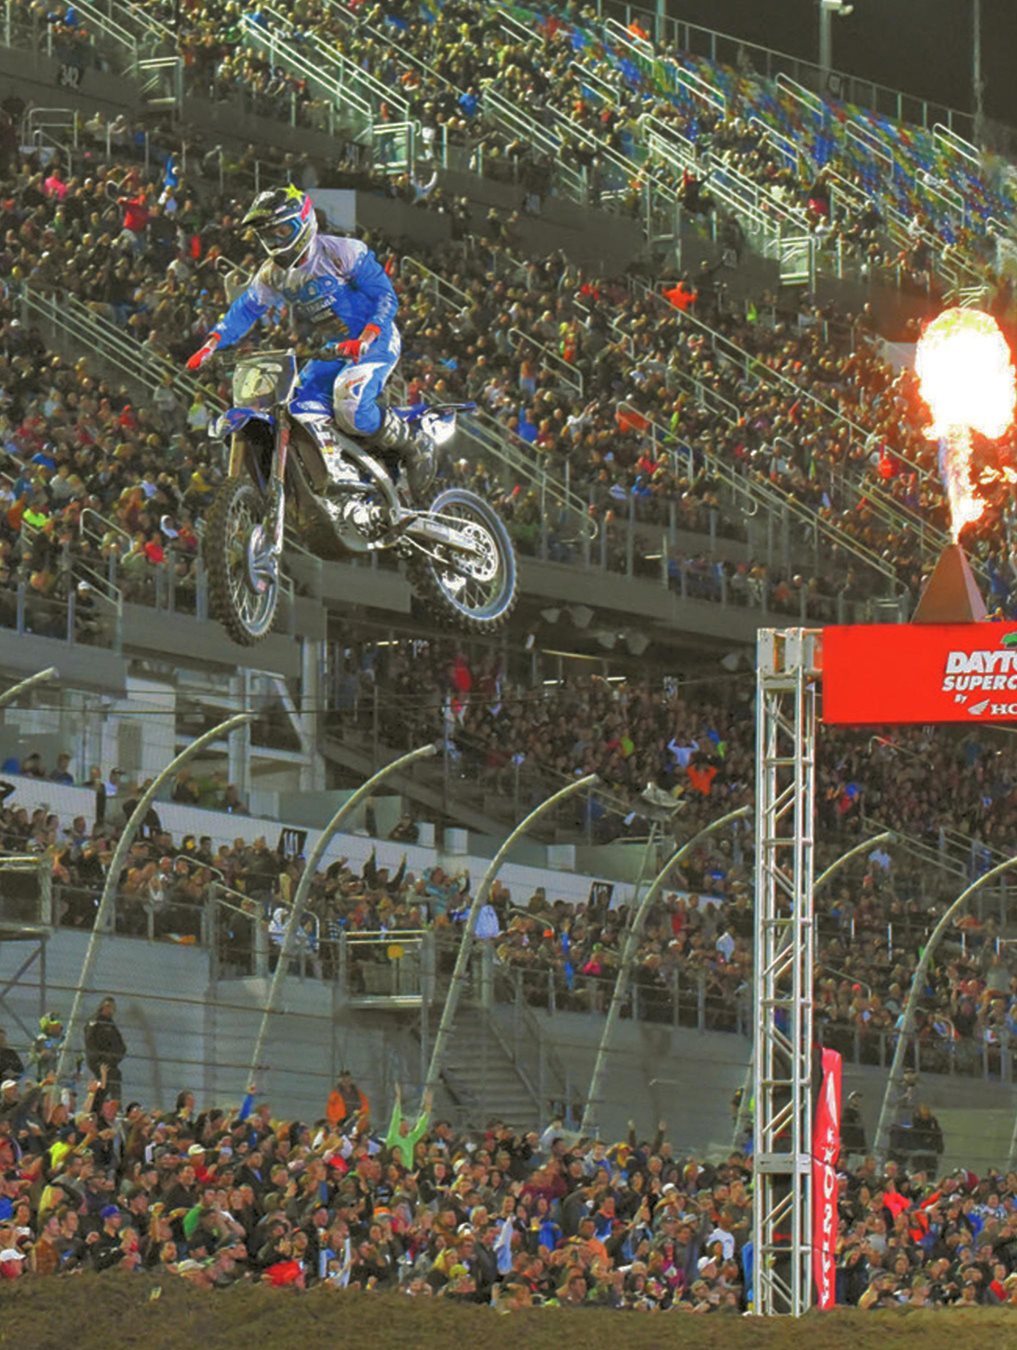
(114, 1311)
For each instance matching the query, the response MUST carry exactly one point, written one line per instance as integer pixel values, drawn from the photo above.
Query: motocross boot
(413, 447)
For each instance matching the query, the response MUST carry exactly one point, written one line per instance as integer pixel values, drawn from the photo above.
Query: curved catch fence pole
(632, 937)
(907, 1024)
(463, 955)
(116, 866)
(29, 682)
(304, 885)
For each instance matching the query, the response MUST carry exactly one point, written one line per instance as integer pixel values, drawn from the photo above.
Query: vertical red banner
(825, 1153)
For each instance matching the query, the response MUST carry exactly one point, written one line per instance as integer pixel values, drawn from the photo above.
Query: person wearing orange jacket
(346, 1101)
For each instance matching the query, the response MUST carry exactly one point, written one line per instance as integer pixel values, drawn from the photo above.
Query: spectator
(62, 774)
(926, 1139)
(852, 1127)
(346, 1102)
(105, 1048)
(11, 1066)
(402, 1138)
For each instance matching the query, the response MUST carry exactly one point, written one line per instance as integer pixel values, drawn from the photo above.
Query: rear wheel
(243, 574)
(475, 591)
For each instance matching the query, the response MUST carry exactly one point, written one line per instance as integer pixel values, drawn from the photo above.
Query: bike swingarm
(430, 530)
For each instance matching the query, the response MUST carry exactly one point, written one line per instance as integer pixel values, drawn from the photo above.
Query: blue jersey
(339, 286)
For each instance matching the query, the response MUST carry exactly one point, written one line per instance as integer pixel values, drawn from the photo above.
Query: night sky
(920, 46)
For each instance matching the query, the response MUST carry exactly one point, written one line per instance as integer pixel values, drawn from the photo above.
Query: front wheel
(243, 573)
(476, 592)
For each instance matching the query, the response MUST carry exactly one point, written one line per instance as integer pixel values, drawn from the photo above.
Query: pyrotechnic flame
(967, 379)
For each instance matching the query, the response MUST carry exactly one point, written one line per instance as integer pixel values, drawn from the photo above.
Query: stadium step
(482, 1078)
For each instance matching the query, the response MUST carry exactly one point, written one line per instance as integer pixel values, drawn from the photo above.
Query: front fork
(277, 494)
(275, 521)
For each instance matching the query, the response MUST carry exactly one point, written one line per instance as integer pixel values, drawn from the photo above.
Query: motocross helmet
(285, 223)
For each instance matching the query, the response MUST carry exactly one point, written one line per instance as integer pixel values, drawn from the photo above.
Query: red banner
(896, 673)
(825, 1152)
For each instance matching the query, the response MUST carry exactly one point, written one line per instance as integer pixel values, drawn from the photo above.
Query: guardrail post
(260, 947)
(427, 967)
(343, 975)
(486, 977)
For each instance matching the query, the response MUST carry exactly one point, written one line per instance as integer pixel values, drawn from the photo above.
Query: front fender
(234, 419)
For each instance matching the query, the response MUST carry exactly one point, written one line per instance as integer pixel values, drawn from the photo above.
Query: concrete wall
(183, 1031)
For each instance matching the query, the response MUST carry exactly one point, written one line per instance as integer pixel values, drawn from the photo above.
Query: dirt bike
(461, 559)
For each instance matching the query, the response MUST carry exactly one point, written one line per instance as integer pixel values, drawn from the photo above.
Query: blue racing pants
(347, 391)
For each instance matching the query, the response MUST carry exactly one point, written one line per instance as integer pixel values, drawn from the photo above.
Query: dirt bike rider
(333, 281)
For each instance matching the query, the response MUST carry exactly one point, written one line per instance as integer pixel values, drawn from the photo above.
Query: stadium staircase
(127, 40)
(480, 1077)
(950, 856)
(435, 792)
(501, 1062)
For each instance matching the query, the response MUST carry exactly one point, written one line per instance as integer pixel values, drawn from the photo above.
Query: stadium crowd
(157, 469)
(693, 962)
(140, 264)
(593, 99)
(496, 1215)
(616, 338)
(627, 447)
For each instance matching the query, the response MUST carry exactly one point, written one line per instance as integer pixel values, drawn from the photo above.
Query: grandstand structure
(652, 570)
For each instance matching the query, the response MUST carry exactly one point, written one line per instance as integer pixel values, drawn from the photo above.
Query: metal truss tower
(787, 680)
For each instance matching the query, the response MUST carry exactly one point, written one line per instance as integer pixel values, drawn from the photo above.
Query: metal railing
(770, 496)
(755, 370)
(386, 967)
(564, 371)
(66, 610)
(63, 311)
(740, 195)
(487, 433)
(350, 92)
(400, 968)
(353, 83)
(742, 55)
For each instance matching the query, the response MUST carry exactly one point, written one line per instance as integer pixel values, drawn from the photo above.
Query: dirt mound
(125, 1311)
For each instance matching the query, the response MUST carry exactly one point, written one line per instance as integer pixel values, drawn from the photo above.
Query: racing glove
(207, 349)
(354, 348)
